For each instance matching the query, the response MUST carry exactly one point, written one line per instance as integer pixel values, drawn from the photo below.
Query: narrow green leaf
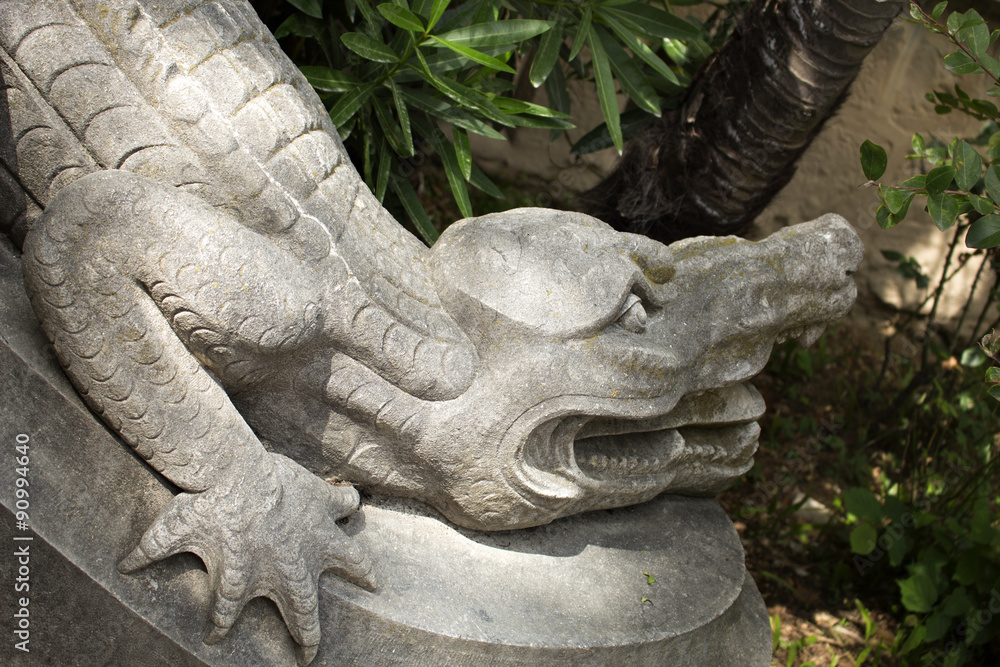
(368, 47)
(632, 81)
(366, 170)
(873, 160)
(984, 233)
(547, 55)
(453, 171)
(676, 50)
(582, 30)
(385, 162)
(943, 209)
(992, 182)
(487, 11)
(441, 109)
(939, 9)
(475, 56)
(939, 179)
(437, 10)
(500, 32)
(893, 255)
(446, 60)
(347, 128)
(349, 103)
(968, 165)
(464, 95)
(556, 89)
(311, 7)
(633, 121)
(414, 209)
(512, 105)
(959, 62)
(400, 16)
(422, 7)
(655, 22)
(463, 151)
(639, 48)
(483, 182)
(373, 22)
(605, 89)
(329, 80)
(495, 85)
(390, 128)
(459, 16)
(403, 114)
(541, 122)
(918, 181)
(558, 92)
(300, 26)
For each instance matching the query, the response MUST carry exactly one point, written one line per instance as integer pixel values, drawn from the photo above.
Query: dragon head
(613, 368)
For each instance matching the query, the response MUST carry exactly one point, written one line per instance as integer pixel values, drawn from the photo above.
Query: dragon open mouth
(702, 444)
(656, 453)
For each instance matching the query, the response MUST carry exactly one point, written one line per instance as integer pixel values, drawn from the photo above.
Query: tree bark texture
(711, 166)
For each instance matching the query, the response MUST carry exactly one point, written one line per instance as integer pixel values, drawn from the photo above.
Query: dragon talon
(215, 633)
(305, 654)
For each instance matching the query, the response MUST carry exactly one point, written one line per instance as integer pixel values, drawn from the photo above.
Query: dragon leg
(101, 279)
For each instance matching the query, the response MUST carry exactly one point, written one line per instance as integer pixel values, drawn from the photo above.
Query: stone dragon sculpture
(229, 297)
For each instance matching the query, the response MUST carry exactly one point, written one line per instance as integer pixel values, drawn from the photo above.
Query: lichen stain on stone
(656, 275)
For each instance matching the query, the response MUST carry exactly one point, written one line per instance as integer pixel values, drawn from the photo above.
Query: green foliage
(390, 73)
(922, 530)
(919, 533)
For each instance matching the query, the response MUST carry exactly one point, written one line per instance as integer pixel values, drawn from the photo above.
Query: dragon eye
(633, 317)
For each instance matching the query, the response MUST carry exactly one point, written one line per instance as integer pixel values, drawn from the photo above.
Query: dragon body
(227, 295)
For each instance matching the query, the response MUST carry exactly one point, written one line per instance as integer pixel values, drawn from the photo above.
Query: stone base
(571, 593)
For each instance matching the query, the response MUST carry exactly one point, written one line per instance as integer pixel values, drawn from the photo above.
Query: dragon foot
(259, 535)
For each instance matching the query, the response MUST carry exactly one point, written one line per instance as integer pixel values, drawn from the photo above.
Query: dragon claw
(271, 537)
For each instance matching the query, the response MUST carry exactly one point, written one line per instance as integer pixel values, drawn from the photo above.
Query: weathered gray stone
(568, 593)
(224, 291)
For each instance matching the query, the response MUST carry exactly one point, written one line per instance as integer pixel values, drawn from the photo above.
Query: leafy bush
(391, 72)
(929, 522)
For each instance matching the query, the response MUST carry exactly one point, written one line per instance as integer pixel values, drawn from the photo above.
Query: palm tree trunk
(713, 164)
